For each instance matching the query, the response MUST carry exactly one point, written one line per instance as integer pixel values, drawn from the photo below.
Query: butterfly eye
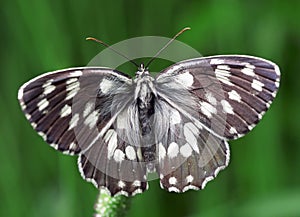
(142, 70)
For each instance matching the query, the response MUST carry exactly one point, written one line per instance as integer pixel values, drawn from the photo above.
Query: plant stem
(107, 206)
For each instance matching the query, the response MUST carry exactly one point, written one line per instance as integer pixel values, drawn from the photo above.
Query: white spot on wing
(136, 183)
(189, 131)
(122, 120)
(112, 141)
(210, 98)
(139, 154)
(223, 67)
(161, 151)
(106, 85)
(186, 150)
(234, 96)
(65, 111)
(53, 145)
(261, 115)
(28, 116)
(189, 179)
(71, 80)
(130, 153)
(216, 61)
(223, 76)
(119, 155)
(186, 79)
(207, 109)
(72, 87)
(48, 87)
(74, 121)
(43, 104)
(172, 181)
(137, 191)
(72, 146)
(91, 120)
(34, 125)
(250, 66)
(222, 72)
(191, 127)
(88, 108)
(121, 184)
(232, 130)
(173, 150)
(250, 127)
(175, 117)
(226, 107)
(43, 135)
(23, 106)
(248, 71)
(257, 85)
(77, 73)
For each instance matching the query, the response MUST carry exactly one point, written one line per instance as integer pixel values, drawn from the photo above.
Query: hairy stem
(107, 206)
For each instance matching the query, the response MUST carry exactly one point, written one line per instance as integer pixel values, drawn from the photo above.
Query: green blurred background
(263, 178)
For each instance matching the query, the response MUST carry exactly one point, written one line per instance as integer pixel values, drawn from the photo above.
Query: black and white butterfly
(176, 123)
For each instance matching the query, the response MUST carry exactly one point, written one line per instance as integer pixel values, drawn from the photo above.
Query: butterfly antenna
(166, 45)
(109, 47)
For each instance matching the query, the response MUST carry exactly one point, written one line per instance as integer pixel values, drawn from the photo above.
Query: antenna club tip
(185, 29)
(97, 40)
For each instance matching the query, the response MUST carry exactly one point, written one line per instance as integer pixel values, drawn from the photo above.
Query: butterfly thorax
(144, 88)
(145, 103)
(145, 97)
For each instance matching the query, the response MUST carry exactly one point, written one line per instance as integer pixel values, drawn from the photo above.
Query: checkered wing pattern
(73, 110)
(176, 124)
(209, 101)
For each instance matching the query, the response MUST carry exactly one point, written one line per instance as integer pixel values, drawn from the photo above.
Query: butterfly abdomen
(145, 103)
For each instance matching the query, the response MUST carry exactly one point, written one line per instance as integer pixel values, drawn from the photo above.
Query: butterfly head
(142, 71)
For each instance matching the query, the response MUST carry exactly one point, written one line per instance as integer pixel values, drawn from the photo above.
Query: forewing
(48, 102)
(232, 90)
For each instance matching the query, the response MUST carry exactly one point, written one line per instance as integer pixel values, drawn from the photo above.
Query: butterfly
(176, 123)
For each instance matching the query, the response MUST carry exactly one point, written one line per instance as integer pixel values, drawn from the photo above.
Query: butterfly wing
(199, 105)
(242, 87)
(77, 111)
(217, 98)
(189, 155)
